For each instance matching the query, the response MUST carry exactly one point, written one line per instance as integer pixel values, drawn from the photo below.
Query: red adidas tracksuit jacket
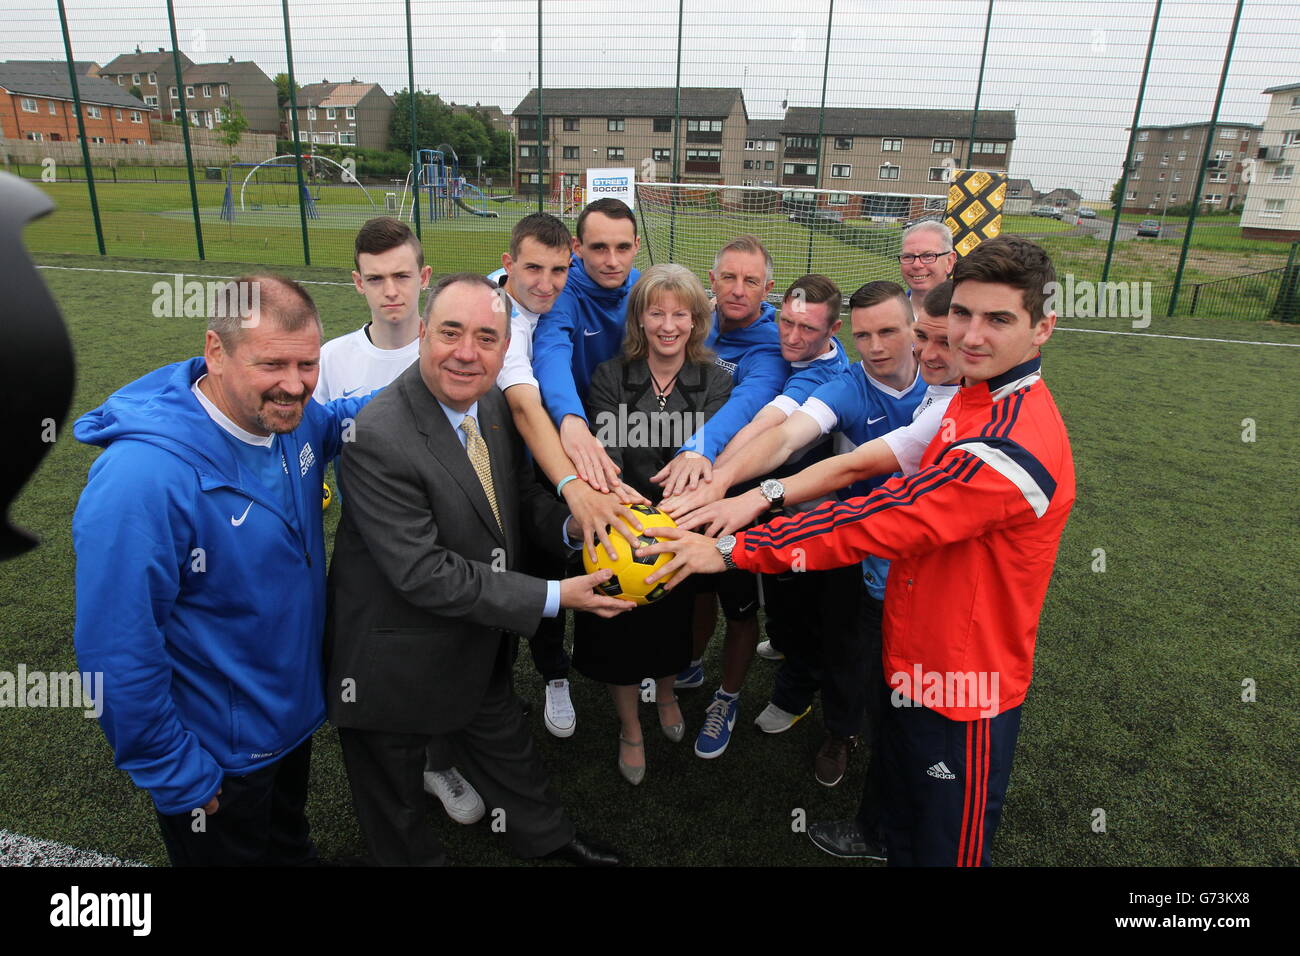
(972, 536)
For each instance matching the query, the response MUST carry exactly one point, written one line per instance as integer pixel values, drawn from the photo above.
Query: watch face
(771, 489)
(726, 543)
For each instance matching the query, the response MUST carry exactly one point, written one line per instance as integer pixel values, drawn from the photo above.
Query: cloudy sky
(1070, 68)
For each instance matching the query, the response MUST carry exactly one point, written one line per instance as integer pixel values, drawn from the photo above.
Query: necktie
(478, 457)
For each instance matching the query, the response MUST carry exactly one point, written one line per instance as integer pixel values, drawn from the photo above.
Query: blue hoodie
(582, 330)
(199, 599)
(753, 357)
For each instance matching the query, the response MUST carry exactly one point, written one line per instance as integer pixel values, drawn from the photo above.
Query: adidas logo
(940, 771)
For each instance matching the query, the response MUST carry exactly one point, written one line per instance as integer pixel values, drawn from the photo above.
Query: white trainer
(558, 713)
(768, 652)
(458, 796)
(774, 720)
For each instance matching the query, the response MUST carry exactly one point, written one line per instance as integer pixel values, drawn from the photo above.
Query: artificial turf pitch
(1137, 705)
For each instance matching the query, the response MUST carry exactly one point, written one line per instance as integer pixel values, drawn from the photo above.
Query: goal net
(852, 237)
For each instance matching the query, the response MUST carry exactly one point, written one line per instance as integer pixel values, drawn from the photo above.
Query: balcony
(528, 134)
(698, 136)
(703, 166)
(801, 152)
(792, 179)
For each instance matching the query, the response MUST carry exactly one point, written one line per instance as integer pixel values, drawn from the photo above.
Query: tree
(1115, 194)
(282, 89)
(432, 116)
(233, 125)
(137, 93)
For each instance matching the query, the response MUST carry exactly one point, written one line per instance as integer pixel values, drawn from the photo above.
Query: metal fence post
(821, 127)
(677, 135)
(185, 130)
(979, 87)
(1205, 159)
(81, 129)
(415, 125)
(1132, 140)
(541, 141)
(297, 143)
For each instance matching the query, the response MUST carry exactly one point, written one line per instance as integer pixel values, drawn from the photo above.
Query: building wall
(1151, 193)
(1270, 178)
(114, 124)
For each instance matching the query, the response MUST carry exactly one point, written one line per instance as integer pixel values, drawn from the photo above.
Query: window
(151, 101)
(194, 118)
(1283, 174)
(1161, 177)
(891, 145)
(1291, 137)
(663, 124)
(311, 114)
(135, 79)
(35, 137)
(350, 113)
(941, 146)
(189, 92)
(800, 169)
(139, 142)
(216, 116)
(1142, 136)
(1227, 134)
(841, 171)
(331, 114)
(28, 104)
(121, 80)
(1164, 159)
(1137, 174)
(94, 113)
(135, 116)
(1137, 157)
(528, 126)
(1131, 195)
(704, 155)
(347, 139)
(998, 149)
(117, 115)
(748, 164)
(703, 126)
(615, 125)
(97, 139)
(1273, 208)
(1245, 135)
(571, 124)
(838, 199)
(1178, 177)
(1187, 134)
(1213, 198)
(889, 172)
(614, 152)
(207, 90)
(749, 144)
(747, 182)
(938, 174)
(770, 146)
(843, 142)
(769, 164)
(223, 90)
(570, 152)
(172, 92)
(54, 108)
(1295, 104)
(1169, 135)
(1173, 197)
(528, 152)
(801, 142)
(663, 155)
(1182, 155)
(326, 139)
(153, 78)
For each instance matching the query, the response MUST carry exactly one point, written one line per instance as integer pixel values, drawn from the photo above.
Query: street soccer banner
(975, 199)
(615, 183)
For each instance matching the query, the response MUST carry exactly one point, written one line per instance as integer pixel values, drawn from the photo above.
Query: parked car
(1050, 212)
(1086, 213)
(1149, 227)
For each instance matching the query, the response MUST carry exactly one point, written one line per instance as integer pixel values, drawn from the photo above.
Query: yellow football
(326, 496)
(628, 581)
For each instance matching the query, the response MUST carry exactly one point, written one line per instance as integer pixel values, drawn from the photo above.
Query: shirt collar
(223, 421)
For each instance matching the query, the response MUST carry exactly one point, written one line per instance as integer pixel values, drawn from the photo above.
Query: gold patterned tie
(478, 457)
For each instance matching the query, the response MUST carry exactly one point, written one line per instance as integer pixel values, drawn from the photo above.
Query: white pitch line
(1061, 328)
(1189, 338)
(19, 850)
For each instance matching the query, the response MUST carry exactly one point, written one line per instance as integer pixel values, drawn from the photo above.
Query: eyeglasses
(927, 257)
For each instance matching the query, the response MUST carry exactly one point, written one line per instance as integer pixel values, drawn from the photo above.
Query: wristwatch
(774, 492)
(725, 545)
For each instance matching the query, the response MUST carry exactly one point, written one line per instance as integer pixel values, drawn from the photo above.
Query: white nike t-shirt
(352, 365)
(910, 442)
(517, 369)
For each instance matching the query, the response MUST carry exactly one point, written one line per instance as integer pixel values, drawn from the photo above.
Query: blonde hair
(654, 283)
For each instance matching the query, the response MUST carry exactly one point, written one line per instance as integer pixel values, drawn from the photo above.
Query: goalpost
(850, 236)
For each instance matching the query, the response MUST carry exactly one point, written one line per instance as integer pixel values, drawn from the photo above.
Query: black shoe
(844, 838)
(579, 852)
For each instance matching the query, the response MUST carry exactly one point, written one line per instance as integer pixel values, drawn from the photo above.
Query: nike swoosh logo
(353, 391)
(590, 332)
(240, 520)
(872, 421)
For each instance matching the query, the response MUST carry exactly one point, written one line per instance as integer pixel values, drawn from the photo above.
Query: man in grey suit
(424, 609)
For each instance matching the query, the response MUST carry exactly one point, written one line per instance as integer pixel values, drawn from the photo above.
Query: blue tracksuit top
(753, 357)
(199, 598)
(582, 330)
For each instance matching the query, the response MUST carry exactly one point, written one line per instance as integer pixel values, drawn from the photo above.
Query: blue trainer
(719, 721)
(693, 676)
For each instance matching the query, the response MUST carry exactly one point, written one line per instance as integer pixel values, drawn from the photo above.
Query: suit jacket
(421, 589)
